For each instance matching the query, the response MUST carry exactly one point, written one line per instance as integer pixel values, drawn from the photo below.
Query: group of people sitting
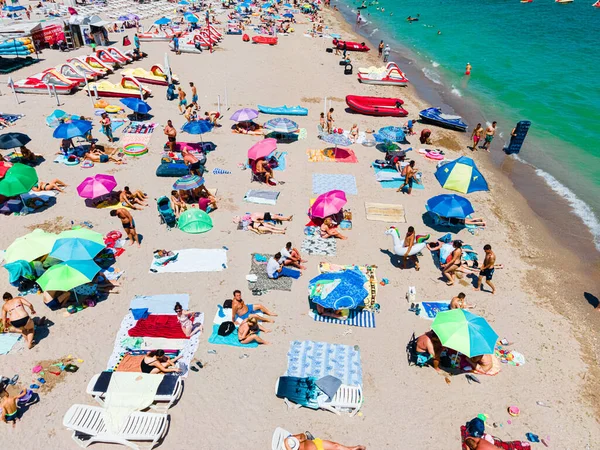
(248, 318)
(263, 170)
(247, 127)
(280, 264)
(182, 200)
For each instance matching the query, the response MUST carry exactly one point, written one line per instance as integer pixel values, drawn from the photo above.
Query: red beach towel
(513, 445)
(157, 325)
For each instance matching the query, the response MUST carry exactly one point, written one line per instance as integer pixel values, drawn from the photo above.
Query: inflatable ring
(112, 108)
(87, 164)
(434, 155)
(134, 149)
(72, 163)
(101, 104)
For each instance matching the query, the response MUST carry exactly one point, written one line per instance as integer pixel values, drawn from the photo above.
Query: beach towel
(127, 393)
(341, 155)
(160, 304)
(263, 283)
(8, 341)
(140, 128)
(158, 325)
(301, 391)
(151, 343)
(281, 161)
(364, 319)
(261, 197)
(11, 118)
(385, 212)
(302, 133)
(430, 309)
(316, 245)
(513, 445)
(317, 359)
(370, 273)
(232, 339)
(395, 182)
(129, 363)
(193, 260)
(323, 182)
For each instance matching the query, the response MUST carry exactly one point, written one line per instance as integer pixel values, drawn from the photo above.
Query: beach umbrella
(191, 18)
(262, 149)
(267, 5)
(68, 275)
(198, 127)
(183, 2)
(194, 221)
(281, 125)
(68, 249)
(83, 233)
(13, 140)
(18, 179)
(136, 104)
(465, 332)
(163, 21)
(99, 184)
(14, 8)
(287, 5)
(339, 290)
(461, 175)
(450, 205)
(288, 15)
(131, 16)
(188, 182)
(72, 129)
(123, 18)
(393, 134)
(4, 166)
(336, 139)
(244, 115)
(30, 246)
(327, 204)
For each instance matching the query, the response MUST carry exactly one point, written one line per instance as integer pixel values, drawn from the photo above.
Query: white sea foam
(435, 64)
(373, 32)
(456, 92)
(432, 75)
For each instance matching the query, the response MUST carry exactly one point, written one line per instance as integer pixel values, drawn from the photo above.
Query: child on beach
(8, 403)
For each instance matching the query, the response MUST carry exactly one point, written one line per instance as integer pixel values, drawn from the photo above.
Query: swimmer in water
(439, 32)
(468, 69)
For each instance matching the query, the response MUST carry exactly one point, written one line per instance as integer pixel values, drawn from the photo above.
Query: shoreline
(566, 205)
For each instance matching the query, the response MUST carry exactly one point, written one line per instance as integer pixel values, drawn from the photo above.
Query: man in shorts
(128, 224)
(489, 136)
(409, 173)
(194, 95)
(487, 269)
(171, 134)
(192, 162)
(182, 100)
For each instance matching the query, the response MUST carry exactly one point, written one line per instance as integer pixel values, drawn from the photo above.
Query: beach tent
(194, 221)
(461, 175)
(465, 332)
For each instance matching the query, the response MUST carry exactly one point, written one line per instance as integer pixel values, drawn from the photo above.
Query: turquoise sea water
(537, 61)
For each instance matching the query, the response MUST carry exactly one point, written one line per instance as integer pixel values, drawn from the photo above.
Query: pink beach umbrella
(262, 149)
(93, 187)
(327, 204)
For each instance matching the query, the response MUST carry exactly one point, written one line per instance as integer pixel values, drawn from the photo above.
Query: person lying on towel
(306, 441)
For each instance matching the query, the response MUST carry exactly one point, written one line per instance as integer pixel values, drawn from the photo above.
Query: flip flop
(195, 369)
(14, 380)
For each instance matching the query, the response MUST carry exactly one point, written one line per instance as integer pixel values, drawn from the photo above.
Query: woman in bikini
(156, 362)
(328, 230)
(260, 227)
(185, 320)
(354, 132)
(14, 309)
(454, 262)
(54, 185)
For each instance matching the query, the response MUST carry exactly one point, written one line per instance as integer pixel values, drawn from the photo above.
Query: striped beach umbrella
(336, 139)
(461, 175)
(393, 134)
(281, 125)
(188, 182)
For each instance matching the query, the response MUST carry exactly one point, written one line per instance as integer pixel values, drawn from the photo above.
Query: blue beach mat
(323, 182)
(8, 341)
(430, 309)
(364, 319)
(281, 161)
(232, 339)
(396, 183)
(302, 391)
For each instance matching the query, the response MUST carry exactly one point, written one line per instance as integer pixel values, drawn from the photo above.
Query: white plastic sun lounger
(87, 424)
(279, 436)
(347, 399)
(168, 392)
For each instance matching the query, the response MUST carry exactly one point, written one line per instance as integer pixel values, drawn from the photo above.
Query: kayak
(286, 110)
(351, 46)
(436, 117)
(376, 106)
(270, 40)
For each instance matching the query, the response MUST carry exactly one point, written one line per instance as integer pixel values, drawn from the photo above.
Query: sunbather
(259, 227)
(477, 221)
(156, 362)
(241, 311)
(177, 203)
(264, 168)
(185, 320)
(474, 443)
(291, 256)
(206, 201)
(27, 156)
(483, 364)
(328, 230)
(453, 263)
(429, 348)
(260, 217)
(248, 331)
(460, 302)
(128, 200)
(354, 132)
(312, 443)
(8, 405)
(54, 185)
(329, 312)
(56, 300)
(101, 158)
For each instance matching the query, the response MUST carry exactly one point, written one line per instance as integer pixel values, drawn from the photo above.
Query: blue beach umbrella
(72, 129)
(288, 15)
(336, 139)
(281, 125)
(191, 18)
(68, 249)
(197, 127)
(183, 2)
(137, 105)
(394, 134)
(287, 5)
(450, 205)
(188, 182)
(338, 290)
(163, 21)
(461, 175)
(13, 8)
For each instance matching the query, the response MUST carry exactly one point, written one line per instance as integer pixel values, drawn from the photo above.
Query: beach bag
(126, 41)
(226, 328)
(246, 38)
(227, 304)
(411, 295)
(476, 427)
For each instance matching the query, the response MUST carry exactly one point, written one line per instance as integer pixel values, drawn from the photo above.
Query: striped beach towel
(364, 319)
(217, 171)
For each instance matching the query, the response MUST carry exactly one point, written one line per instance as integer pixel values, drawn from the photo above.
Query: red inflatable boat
(376, 106)
(351, 46)
(265, 40)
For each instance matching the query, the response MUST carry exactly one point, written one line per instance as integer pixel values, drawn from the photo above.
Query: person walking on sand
(487, 269)
(409, 242)
(386, 53)
(176, 45)
(171, 134)
(182, 100)
(106, 124)
(330, 121)
(454, 261)
(194, 96)
(14, 310)
(476, 136)
(489, 136)
(409, 173)
(128, 224)
(381, 49)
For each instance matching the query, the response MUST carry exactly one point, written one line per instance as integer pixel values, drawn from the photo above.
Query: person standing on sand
(381, 48)
(489, 136)
(454, 261)
(476, 136)
(128, 224)
(487, 269)
(171, 134)
(194, 95)
(386, 53)
(409, 173)
(409, 242)
(14, 310)
(330, 121)
(182, 100)
(176, 45)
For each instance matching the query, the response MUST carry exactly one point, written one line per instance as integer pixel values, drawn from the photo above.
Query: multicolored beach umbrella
(68, 275)
(393, 134)
(465, 332)
(18, 179)
(339, 290)
(188, 182)
(281, 125)
(194, 221)
(461, 175)
(336, 139)
(450, 205)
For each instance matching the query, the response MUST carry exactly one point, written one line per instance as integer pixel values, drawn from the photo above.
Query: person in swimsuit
(100, 157)
(260, 227)
(449, 268)
(171, 134)
(476, 136)
(248, 331)
(189, 114)
(128, 224)
(130, 199)
(182, 100)
(54, 185)
(263, 167)
(354, 132)
(56, 300)
(14, 309)
(261, 217)
(489, 136)
(194, 95)
(409, 242)
(330, 121)
(460, 302)
(8, 405)
(192, 162)
(429, 348)
(327, 230)
(156, 362)
(241, 311)
(381, 46)
(212, 117)
(487, 269)
(409, 173)
(292, 256)
(185, 320)
(106, 124)
(309, 442)
(178, 204)
(474, 443)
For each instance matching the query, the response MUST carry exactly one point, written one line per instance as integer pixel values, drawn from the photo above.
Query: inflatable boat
(95, 63)
(73, 74)
(40, 82)
(269, 40)
(436, 117)
(385, 76)
(285, 110)
(128, 87)
(88, 70)
(156, 75)
(376, 106)
(156, 33)
(351, 46)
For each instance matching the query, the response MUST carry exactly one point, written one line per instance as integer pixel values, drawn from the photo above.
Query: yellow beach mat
(106, 205)
(385, 212)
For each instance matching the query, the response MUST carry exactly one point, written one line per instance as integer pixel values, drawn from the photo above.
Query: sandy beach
(230, 403)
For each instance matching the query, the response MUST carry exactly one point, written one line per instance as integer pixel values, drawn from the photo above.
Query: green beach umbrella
(195, 221)
(31, 246)
(18, 180)
(68, 275)
(465, 332)
(83, 233)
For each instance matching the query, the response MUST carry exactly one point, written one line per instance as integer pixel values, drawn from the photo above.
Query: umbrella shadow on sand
(429, 221)
(38, 205)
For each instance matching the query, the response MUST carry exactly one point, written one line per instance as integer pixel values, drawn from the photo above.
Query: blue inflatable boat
(436, 117)
(284, 110)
